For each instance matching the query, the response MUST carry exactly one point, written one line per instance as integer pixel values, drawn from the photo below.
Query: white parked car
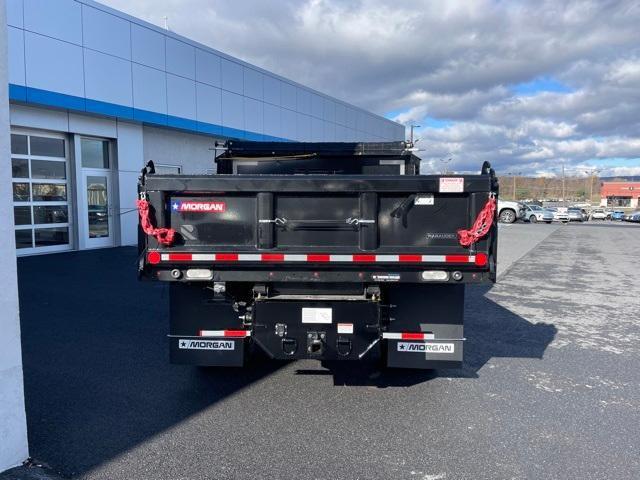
(598, 214)
(509, 212)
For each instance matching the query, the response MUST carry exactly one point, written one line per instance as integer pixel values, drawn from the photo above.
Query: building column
(13, 426)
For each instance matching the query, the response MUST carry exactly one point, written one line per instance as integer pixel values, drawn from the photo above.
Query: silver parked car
(575, 215)
(535, 213)
(560, 214)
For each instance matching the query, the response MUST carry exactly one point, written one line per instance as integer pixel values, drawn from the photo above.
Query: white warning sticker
(426, 347)
(451, 184)
(346, 328)
(424, 199)
(196, 344)
(317, 315)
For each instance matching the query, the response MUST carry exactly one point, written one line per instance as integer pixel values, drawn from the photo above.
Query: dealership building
(620, 194)
(95, 93)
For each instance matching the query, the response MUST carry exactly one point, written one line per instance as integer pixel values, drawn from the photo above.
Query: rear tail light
(153, 257)
(481, 259)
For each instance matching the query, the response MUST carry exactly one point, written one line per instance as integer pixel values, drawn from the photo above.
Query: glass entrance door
(99, 209)
(95, 193)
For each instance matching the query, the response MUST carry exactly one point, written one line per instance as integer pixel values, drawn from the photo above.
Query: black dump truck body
(325, 251)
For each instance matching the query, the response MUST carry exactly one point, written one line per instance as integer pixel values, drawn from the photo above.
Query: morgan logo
(202, 207)
(426, 347)
(192, 344)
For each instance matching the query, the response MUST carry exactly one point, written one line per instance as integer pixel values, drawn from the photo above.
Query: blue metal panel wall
(83, 56)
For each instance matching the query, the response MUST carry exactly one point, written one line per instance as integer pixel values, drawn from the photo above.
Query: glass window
(50, 214)
(47, 147)
(23, 239)
(22, 215)
(45, 237)
(19, 168)
(19, 144)
(168, 169)
(45, 180)
(49, 192)
(48, 169)
(95, 153)
(20, 192)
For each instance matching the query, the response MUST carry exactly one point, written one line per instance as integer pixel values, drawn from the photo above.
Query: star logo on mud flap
(402, 346)
(183, 344)
(175, 206)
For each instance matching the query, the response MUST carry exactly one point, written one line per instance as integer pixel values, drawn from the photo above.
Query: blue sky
(541, 84)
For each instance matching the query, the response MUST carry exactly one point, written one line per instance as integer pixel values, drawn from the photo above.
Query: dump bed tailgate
(324, 224)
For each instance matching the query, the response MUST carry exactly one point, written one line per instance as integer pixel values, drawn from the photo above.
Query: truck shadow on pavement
(96, 367)
(97, 376)
(491, 331)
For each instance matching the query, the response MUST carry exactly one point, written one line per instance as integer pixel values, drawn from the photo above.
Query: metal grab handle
(349, 222)
(277, 221)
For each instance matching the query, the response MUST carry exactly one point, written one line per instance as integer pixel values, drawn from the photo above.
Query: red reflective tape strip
(410, 258)
(318, 257)
(272, 257)
(457, 258)
(155, 257)
(180, 257)
(227, 257)
(412, 336)
(364, 258)
(235, 333)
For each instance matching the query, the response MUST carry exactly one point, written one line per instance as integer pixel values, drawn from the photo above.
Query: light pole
(444, 165)
(563, 182)
(411, 137)
(514, 175)
(590, 174)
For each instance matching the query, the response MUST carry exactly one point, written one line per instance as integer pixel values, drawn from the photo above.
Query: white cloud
(451, 60)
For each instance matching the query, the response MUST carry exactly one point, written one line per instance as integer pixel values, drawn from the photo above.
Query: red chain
(163, 235)
(481, 226)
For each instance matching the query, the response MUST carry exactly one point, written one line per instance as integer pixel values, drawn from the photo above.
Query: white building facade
(96, 93)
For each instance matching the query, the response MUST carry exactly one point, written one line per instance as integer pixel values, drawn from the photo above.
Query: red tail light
(153, 257)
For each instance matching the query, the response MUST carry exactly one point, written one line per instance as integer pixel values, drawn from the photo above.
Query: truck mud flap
(208, 352)
(204, 330)
(424, 354)
(427, 329)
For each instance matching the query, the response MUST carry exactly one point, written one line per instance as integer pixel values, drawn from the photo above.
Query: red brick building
(620, 194)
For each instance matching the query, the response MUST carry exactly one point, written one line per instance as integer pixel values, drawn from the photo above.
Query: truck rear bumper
(417, 326)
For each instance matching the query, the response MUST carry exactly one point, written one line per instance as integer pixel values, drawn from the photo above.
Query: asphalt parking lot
(550, 388)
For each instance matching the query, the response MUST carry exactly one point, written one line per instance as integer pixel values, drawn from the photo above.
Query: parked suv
(598, 214)
(535, 213)
(509, 212)
(617, 215)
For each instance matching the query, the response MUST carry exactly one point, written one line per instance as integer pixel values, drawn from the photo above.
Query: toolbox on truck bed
(327, 251)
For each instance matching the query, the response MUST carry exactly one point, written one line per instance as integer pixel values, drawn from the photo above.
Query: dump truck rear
(320, 251)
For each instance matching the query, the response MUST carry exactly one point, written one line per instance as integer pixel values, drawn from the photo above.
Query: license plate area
(323, 330)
